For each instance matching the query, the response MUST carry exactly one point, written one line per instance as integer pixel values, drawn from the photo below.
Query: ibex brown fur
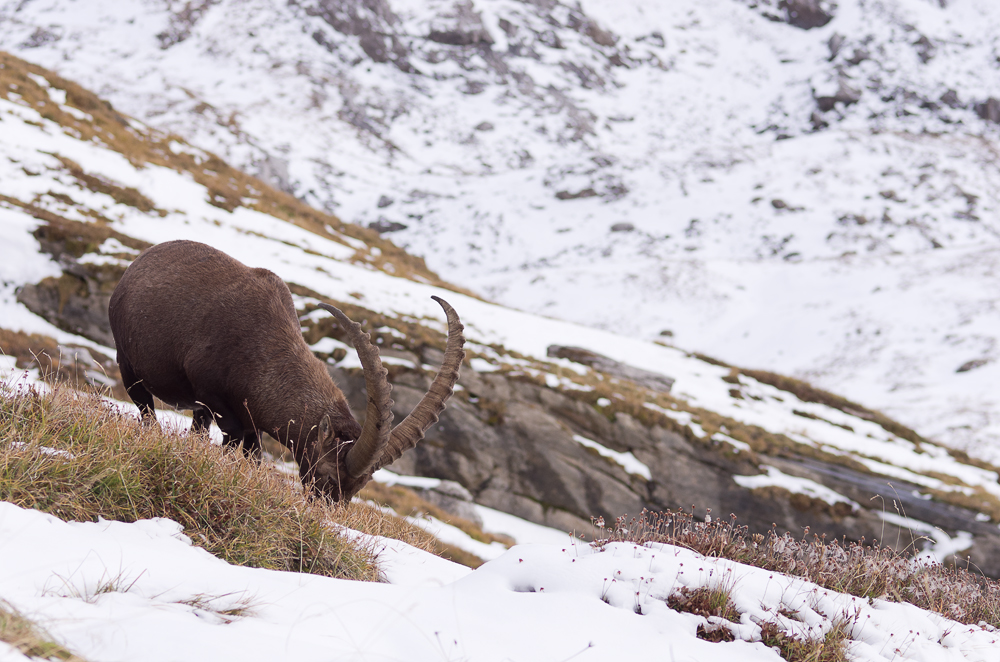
(202, 331)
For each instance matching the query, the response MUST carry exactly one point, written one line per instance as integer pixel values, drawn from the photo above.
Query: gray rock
(972, 365)
(835, 43)
(461, 38)
(846, 95)
(950, 99)
(808, 14)
(75, 302)
(652, 380)
(585, 193)
(384, 225)
(452, 498)
(989, 110)
(274, 171)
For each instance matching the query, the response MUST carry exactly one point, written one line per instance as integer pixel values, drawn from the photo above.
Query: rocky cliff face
(527, 460)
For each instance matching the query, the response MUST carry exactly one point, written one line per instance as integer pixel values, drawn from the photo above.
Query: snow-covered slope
(140, 591)
(819, 202)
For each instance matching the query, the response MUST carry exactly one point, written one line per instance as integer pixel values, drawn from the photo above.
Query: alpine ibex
(202, 331)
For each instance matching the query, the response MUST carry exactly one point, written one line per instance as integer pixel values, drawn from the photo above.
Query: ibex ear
(323, 445)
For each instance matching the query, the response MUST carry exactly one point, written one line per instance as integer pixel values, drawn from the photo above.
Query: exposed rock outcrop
(528, 462)
(808, 14)
(805, 14)
(77, 301)
(645, 378)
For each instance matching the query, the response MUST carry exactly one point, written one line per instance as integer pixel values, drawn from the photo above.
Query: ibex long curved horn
(378, 419)
(411, 430)
(377, 446)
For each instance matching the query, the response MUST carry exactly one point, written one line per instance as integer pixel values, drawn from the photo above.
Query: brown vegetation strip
(865, 570)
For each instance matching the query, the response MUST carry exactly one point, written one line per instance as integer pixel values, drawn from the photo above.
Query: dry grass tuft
(865, 570)
(28, 639)
(714, 632)
(373, 520)
(62, 365)
(831, 648)
(705, 601)
(714, 603)
(123, 195)
(224, 608)
(70, 454)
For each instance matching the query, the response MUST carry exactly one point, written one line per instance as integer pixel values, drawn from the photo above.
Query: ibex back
(202, 331)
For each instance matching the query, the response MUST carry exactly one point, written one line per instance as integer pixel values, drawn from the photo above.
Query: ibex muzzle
(202, 331)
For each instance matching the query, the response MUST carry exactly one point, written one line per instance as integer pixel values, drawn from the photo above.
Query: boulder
(808, 14)
(646, 378)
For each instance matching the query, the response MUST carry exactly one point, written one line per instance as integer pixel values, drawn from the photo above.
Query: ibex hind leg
(139, 394)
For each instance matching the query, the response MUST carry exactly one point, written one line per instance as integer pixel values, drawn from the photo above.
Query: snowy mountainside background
(818, 202)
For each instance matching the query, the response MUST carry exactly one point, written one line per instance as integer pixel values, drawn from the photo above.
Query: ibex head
(341, 467)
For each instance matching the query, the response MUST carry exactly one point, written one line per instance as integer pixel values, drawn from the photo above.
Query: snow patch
(626, 460)
(795, 485)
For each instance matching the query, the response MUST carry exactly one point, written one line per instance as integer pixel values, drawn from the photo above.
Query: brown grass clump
(716, 602)
(865, 570)
(705, 601)
(123, 195)
(714, 632)
(28, 639)
(372, 520)
(27, 348)
(59, 236)
(71, 455)
(831, 648)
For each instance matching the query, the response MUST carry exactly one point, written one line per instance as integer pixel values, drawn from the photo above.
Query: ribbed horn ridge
(374, 438)
(411, 430)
